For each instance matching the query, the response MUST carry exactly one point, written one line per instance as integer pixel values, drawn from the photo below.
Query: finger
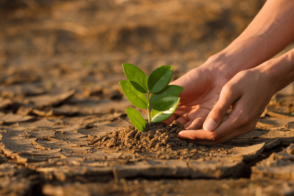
(196, 118)
(237, 119)
(208, 141)
(170, 119)
(182, 120)
(196, 134)
(227, 97)
(183, 110)
(195, 124)
(210, 135)
(226, 138)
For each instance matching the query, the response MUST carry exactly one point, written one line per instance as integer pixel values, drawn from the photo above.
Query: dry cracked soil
(63, 126)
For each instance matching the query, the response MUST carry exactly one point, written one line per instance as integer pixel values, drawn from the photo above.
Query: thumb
(219, 111)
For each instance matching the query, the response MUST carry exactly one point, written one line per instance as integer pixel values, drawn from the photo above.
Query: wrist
(279, 71)
(238, 56)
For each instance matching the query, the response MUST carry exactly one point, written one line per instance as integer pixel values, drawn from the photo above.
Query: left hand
(247, 93)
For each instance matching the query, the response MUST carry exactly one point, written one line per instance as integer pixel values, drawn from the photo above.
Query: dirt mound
(160, 139)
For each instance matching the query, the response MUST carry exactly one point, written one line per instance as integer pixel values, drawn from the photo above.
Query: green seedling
(139, 87)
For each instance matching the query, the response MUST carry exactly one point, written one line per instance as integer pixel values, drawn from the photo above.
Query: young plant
(139, 87)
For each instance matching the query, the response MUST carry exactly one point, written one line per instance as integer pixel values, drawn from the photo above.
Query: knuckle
(217, 111)
(228, 88)
(243, 73)
(246, 73)
(212, 58)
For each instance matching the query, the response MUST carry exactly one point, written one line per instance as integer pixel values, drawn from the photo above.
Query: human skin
(240, 76)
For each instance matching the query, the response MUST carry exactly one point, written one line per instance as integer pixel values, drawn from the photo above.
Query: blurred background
(193, 28)
(49, 47)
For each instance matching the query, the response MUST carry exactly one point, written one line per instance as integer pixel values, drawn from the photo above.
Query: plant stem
(148, 109)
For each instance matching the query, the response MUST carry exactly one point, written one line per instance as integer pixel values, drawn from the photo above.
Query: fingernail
(209, 125)
(183, 135)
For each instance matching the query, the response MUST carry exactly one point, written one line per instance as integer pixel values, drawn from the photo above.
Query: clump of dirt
(158, 141)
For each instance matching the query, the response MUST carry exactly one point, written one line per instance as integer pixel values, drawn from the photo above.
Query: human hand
(202, 87)
(247, 93)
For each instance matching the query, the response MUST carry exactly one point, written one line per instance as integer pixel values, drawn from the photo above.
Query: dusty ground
(63, 128)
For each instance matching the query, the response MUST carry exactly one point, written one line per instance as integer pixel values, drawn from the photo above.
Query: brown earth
(159, 141)
(63, 126)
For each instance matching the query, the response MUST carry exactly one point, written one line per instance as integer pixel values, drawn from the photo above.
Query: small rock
(158, 145)
(153, 142)
(290, 149)
(110, 143)
(131, 134)
(290, 125)
(165, 141)
(137, 136)
(151, 135)
(126, 143)
(89, 126)
(105, 138)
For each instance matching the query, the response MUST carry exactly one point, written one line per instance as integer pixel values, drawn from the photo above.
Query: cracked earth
(63, 127)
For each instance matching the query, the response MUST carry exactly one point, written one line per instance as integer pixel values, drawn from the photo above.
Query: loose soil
(159, 139)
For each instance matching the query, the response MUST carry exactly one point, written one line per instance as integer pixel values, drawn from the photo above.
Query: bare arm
(241, 76)
(270, 31)
(281, 70)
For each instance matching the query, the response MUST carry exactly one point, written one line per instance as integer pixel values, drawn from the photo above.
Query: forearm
(270, 31)
(280, 70)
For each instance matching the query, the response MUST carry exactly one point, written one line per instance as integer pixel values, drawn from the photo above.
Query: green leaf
(137, 77)
(137, 119)
(164, 108)
(169, 91)
(160, 78)
(137, 98)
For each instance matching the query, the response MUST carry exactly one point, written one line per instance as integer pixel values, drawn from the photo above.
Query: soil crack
(247, 169)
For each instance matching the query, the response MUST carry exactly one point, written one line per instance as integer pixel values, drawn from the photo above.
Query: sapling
(146, 92)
